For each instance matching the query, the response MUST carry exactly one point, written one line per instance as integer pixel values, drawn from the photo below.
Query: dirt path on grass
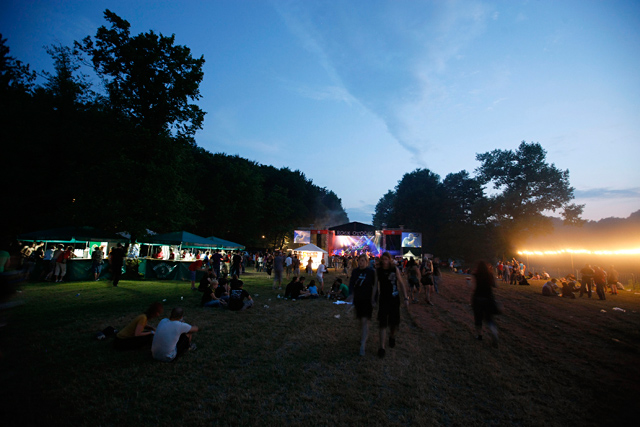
(581, 345)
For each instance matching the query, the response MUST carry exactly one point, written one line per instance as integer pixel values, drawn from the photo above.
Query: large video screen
(356, 245)
(411, 240)
(301, 236)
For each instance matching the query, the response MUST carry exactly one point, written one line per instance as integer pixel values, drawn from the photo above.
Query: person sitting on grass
(235, 283)
(294, 288)
(172, 337)
(209, 298)
(311, 292)
(237, 298)
(137, 333)
(568, 288)
(206, 280)
(222, 290)
(339, 290)
(549, 288)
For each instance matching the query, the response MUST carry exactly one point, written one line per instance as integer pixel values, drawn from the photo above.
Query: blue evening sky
(357, 93)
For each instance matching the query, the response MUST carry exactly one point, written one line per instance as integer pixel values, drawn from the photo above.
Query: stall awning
(71, 235)
(179, 238)
(225, 244)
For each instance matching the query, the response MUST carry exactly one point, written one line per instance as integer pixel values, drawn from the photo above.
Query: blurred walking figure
(600, 279)
(587, 280)
(612, 280)
(362, 293)
(483, 301)
(391, 288)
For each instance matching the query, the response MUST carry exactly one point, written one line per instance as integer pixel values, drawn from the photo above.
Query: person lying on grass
(172, 337)
(209, 298)
(237, 298)
(137, 333)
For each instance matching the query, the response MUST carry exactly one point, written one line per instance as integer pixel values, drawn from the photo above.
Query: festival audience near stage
(138, 333)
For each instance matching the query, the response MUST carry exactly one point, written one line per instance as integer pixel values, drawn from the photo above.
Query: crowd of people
(383, 282)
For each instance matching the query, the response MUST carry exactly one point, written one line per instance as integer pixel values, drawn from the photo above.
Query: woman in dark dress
(483, 301)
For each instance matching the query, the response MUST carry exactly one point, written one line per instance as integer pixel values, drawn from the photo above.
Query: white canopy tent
(310, 251)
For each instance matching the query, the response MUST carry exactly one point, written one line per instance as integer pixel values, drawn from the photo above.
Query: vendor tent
(409, 255)
(225, 244)
(179, 238)
(71, 235)
(310, 248)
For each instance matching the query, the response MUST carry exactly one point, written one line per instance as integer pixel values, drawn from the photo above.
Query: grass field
(559, 362)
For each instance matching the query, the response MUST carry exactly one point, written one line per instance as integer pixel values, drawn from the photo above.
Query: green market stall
(165, 269)
(80, 267)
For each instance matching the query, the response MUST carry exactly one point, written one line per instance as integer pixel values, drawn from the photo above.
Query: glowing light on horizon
(635, 251)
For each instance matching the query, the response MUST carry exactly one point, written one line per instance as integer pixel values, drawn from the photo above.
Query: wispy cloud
(608, 193)
(394, 61)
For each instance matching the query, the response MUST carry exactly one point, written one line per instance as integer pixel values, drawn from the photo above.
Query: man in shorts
(362, 292)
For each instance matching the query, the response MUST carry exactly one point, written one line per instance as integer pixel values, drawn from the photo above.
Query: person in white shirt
(287, 265)
(320, 275)
(172, 337)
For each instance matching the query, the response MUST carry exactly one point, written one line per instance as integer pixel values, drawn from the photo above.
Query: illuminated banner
(319, 231)
(301, 236)
(355, 233)
(392, 232)
(411, 240)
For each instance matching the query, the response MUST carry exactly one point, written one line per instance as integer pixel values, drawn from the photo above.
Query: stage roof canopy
(353, 226)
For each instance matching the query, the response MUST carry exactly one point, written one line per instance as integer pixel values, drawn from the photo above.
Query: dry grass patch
(560, 362)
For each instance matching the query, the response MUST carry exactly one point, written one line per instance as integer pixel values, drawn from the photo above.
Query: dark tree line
(108, 140)
(459, 220)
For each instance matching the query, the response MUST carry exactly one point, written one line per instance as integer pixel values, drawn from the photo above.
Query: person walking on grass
(320, 275)
(390, 288)
(116, 261)
(172, 337)
(362, 292)
(427, 279)
(278, 269)
(483, 301)
(413, 277)
(612, 280)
